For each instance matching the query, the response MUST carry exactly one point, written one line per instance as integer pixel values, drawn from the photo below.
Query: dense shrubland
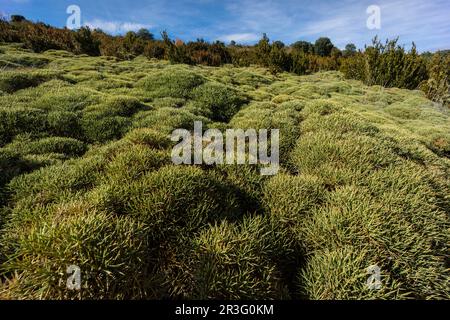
(386, 64)
(86, 179)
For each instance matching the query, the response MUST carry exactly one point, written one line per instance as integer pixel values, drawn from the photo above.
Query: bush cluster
(387, 65)
(86, 179)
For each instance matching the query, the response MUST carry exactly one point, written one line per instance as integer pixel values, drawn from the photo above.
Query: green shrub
(98, 128)
(341, 274)
(337, 122)
(252, 79)
(171, 198)
(216, 101)
(166, 120)
(168, 102)
(64, 98)
(110, 252)
(12, 164)
(271, 116)
(12, 81)
(437, 87)
(116, 106)
(20, 120)
(64, 123)
(340, 159)
(289, 198)
(67, 146)
(322, 107)
(235, 262)
(248, 182)
(17, 61)
(133, 163)
(171, 82)
(387, 65)
(399, 230)
(149, 137)
(53, 183)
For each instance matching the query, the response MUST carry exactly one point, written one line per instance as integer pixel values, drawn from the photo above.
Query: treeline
(387, 64)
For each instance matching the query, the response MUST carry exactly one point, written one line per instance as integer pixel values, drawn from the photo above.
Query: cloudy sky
(426, 22)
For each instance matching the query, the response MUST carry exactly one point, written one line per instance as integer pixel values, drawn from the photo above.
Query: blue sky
(426, 22)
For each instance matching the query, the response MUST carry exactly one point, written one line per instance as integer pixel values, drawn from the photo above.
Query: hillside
(86, 179)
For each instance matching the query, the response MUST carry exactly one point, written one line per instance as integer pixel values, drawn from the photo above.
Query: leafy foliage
(387, 65)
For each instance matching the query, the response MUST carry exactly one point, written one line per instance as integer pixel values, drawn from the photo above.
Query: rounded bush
(166, 120)
(110, 252)
(171, 82)
(400, 231)
(341, 274)
(289, 198)
(12, 164)
(65, 124)
(271, 116)
(321, 107)
(247, 180)
(49, 184)
(24, 61)
(98, 128)
(12, 81)
(235, 262)
(172, 199)
(216, 101)
(67, 146)
(64, 98)
(149, 137)
(20, 120)
(340, 159)
(116, 106)
(131, 164)
(339, 123)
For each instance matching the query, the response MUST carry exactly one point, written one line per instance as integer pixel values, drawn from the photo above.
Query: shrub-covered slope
(86, 179)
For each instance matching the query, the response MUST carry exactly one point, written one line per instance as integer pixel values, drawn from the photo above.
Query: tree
(278, 44)
(323, 47)
(350, 50)
(133, 44)
(87, 43)
(15, 18)
(303, 46)
(176, 52)
(263, 49)
(144, 34)
(336, 53)
(279, 60)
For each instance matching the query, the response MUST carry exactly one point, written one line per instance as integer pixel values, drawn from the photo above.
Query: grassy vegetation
(86, 179)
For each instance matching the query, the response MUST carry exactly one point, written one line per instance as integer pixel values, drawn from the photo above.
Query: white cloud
(115, 27)
(425, 22)
(240, 37)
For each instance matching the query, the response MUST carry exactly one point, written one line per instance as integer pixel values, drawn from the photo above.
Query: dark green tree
(15, 18)
(144, 34)
(350, 50)
(303, 46)
(87, 43)
(278, 44)
(323, 47)
(263, 49)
